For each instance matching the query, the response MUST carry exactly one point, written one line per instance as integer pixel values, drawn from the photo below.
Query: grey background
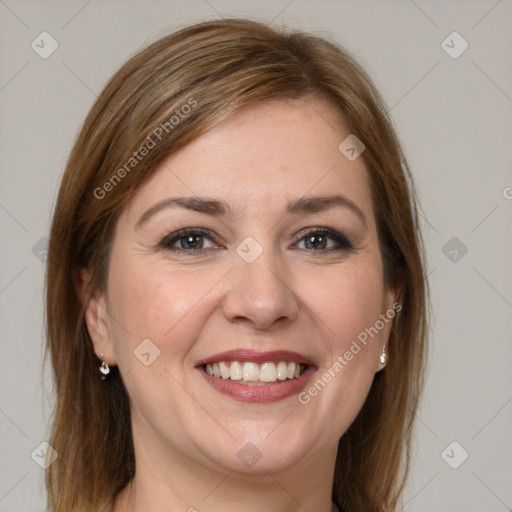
(454, 117)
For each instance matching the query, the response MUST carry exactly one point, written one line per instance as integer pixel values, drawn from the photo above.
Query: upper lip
(257, 357)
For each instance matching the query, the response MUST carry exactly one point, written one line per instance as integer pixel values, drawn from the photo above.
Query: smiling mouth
(255, 374)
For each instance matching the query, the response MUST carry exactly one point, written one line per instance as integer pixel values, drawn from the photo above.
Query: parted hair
(217, 67)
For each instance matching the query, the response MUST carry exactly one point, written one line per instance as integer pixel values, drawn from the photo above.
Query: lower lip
(258, 394)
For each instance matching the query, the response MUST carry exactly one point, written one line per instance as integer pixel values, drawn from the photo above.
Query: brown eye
(187, 240)
(318, 240)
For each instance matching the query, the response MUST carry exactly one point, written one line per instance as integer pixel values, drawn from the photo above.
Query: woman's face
(279, 274)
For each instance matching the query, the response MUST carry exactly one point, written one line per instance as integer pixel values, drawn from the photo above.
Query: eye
(192, 241)
(189, 240)
(318, 240)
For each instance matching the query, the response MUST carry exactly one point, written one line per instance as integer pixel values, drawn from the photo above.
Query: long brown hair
(217, 67)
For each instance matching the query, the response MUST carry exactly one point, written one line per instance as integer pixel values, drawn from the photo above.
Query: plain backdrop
(453, 112)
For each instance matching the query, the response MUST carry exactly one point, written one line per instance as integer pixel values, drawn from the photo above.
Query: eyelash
(169, 240)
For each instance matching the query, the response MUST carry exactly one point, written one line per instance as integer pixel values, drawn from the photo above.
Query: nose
(259, 293)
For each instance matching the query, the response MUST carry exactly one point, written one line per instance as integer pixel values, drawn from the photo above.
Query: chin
(261, 448)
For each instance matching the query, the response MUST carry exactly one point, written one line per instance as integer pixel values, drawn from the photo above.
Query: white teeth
(235, 371)
(291, 370)
(251, 372)
(224, 370)
(268, 372)
(216, 370)
(282, 370)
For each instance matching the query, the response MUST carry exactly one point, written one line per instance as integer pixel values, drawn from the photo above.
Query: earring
(104, 369)
(382, 357)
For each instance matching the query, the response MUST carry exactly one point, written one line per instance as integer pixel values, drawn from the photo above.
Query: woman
(235, 291)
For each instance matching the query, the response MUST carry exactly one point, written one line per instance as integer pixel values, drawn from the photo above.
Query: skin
(292, 297)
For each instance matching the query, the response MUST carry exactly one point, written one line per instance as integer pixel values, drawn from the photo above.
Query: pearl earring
(104, 369)
(382, 357)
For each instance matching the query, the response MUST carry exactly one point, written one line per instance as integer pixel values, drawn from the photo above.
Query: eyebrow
(216, 208)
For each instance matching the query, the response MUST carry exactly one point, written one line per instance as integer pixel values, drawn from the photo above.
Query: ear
(390, 306)
(392, 292)
(97, 319)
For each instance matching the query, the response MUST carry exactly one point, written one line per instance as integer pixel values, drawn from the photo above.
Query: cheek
(170, 306)
(346, 301)
(349, 305)
(156, 303)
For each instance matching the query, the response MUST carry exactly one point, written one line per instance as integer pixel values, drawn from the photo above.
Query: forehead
(262, 157)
